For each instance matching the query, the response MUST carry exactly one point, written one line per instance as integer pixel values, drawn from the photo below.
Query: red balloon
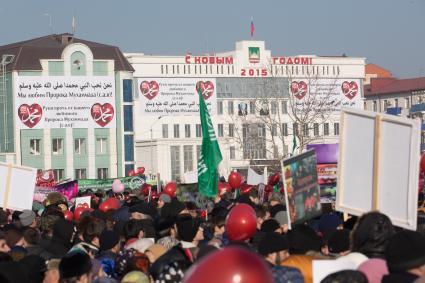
(131, 173)
(68, 215)
(223, 188)
(140, 170)
(146, 188)
(245, 188)
(241, 223)
(274, 179)
(110, 203)
(170, 189)
(230, 265)
(79, 210)
(422, 164)
(235, 180)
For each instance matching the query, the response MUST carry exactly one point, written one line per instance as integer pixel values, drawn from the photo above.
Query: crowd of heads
(170, 240)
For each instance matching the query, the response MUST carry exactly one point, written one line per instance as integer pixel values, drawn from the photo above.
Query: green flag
(210, 155)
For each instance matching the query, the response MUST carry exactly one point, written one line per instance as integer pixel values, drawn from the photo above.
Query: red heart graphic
(299, 89)
(149, 89)
(349, 89)
(102, 114)
(30, 115)
(206, 88)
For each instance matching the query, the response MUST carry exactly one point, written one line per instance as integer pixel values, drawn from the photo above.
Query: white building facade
(251, 95)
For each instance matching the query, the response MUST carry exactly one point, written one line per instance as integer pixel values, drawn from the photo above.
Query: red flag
(252, 27)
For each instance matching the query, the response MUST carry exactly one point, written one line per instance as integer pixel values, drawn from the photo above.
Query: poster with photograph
(301, 187)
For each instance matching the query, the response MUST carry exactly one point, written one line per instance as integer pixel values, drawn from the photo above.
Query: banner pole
(376, 158)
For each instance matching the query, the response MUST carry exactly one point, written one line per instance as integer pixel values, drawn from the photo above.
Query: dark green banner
(106, 184)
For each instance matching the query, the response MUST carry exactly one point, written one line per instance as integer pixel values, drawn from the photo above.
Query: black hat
(338, 241)
(187, 227)
(273, 242)
(302, 239)
(108, 240)
(74, 265)
(145, 208)
(405, 250)
(270, 225)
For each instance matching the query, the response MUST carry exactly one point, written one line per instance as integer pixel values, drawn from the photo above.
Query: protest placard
(378, 165)
(301, 188)
(16, 186)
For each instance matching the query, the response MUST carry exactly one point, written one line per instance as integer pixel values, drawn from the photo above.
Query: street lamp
(151, 145)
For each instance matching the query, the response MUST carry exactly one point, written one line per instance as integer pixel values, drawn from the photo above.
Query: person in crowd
(89, 230)
(110, 246)
(405, 255)
(345, 276)
(275, 249)
(155, 251)
(28, 218)
(162, 200)
(336, 243)
(75, 268)
(61, 240)
(31, 241)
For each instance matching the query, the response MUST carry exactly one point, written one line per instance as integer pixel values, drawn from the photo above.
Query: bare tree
(284, 107)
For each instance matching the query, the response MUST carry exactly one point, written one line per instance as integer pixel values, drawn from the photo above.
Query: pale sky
(390, 33)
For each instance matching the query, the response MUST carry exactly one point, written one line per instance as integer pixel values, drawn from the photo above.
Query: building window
(385, 105)
(175, 162)
(316, 129)
(102, 173)
(274, 130)
(407, 102)
(396, 102)
(232, 152)
(375, 106)
(264, 108)
(59, 174)
(336, 129)
(273, 107)
(165, 131)
(187, 130)
(230, 108)
(80, 146)
(80, 174)
(326, 129)
(35, 146)
(275, 151)
(101, 145)
(306, 131)
(219, 107)
(198, 130)
(198, 151)
(285, 129)
(261, 130)
(220, 130)
(128, 118)
(252, 107)
(231, 130)
(127, 90)
(57, 146)
(129, 147)
(176, 131)
(295, 129)
(188, 158)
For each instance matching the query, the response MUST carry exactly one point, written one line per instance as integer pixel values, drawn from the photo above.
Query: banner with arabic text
(106, 184)
(47, 102)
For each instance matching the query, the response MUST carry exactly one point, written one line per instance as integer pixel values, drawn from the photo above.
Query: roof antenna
(74, 24)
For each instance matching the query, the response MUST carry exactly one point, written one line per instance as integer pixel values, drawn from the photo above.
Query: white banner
(176, 96)
(335, 93)
(65, 102)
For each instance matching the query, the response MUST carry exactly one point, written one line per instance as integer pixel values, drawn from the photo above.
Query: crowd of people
(160, 240)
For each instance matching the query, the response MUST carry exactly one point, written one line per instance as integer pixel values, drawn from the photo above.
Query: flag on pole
(252, 27)
(210, 155)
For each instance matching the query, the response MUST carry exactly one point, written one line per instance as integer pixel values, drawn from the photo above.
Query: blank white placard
(22, 184)
(395, 182)
(355, 164)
